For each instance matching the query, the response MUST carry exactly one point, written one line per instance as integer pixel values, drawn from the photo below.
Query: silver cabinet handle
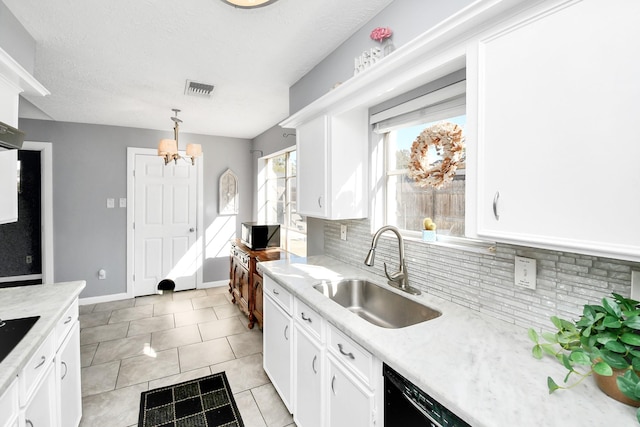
(333, 380)
(349, 355)
(66, 370)
(305, 318)
(42, 360)
(313, 364)
(68, 320)
(495, 205)
(320, 201)
(286, 328)
(276, 292)
(29, 423)
(191, 230)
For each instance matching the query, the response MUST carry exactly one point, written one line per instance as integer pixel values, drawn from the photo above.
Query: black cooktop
(12, 331)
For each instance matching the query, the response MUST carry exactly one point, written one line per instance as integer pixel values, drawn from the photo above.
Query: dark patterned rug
(204, 402)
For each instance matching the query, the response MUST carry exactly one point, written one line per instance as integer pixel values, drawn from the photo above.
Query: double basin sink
(375, 304)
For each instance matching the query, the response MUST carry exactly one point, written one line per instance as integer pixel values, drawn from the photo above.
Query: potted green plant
(605, 342)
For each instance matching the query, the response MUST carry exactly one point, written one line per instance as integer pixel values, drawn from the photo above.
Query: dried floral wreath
(448, 142)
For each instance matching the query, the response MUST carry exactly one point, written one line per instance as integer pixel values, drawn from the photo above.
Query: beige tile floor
(139, 344)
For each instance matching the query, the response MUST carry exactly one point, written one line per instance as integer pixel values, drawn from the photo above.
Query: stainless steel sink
(376, 304)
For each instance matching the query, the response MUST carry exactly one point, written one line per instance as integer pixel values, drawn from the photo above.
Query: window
(280, 201)
(407, 204)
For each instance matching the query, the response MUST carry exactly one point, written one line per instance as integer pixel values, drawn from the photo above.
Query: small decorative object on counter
(383, 36)
(605, 341)
(429, 231)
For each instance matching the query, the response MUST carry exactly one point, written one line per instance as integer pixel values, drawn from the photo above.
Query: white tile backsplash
(485, 282)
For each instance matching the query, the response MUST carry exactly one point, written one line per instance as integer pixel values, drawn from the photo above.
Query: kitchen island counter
(48, 301)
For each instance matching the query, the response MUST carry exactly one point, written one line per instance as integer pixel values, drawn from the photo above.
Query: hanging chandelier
(168, 148)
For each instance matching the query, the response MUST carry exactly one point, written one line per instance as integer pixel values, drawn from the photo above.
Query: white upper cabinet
(557, 98)
(333, 166)
(8, 186)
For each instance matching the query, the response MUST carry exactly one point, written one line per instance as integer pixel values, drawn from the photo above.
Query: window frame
(289, 179)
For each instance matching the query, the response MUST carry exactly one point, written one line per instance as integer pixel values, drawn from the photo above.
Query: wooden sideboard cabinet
(245, 278)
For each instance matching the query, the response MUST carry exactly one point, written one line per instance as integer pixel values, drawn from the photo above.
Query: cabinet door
(68, 376)
(557, 164)
(308, 402)
(9, 405)
(277, 349)
(258, 309)
(41, 409)
(312, 140)
(350, 403)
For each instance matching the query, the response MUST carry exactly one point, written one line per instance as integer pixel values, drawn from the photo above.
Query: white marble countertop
(479, 367)
(47, 301)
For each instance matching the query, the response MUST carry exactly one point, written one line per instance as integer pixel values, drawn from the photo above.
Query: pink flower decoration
(381, 33)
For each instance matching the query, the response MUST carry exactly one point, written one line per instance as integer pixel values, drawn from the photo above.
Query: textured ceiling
(125, 63)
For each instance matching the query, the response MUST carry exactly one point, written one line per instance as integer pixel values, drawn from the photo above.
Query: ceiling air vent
(198, 89)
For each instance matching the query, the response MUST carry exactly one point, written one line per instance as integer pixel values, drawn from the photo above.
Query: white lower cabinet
(349, 402)
(277, 347)
(40, 410)
(68, 383)
(47, 391)
(9, 406)
(323, 377)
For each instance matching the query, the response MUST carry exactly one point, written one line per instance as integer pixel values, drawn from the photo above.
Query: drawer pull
(305, 318)
(66, 370)
(276, 292)
(28, 423)
(286, 328)
(333, 380)
(68, 320)
(349, 355)
(42, 360)
(313, 364)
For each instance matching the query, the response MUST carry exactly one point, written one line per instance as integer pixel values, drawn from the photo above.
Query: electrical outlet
(635, 285)
(123, 202)
(111, 203)
(343, 232)
(525, 272)
(102, 274)
(29, 259)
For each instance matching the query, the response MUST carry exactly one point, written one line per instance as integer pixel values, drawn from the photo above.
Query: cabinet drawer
(278, 294)
(66, 322)
(308, 318)
(352, 355)
(36, 367)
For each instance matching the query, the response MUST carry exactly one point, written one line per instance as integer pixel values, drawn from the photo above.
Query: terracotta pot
(609, 386)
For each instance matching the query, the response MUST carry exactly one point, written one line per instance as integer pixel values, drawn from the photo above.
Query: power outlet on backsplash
(525, 272)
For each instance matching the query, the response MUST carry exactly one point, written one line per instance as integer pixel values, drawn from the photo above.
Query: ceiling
(125, 63)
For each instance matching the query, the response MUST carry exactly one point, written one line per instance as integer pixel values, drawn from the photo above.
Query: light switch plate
(525, 272)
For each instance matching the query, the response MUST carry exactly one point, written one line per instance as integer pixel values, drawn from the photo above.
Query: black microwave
(260, 236)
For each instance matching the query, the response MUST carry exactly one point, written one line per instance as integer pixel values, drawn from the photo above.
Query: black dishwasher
(405, 405)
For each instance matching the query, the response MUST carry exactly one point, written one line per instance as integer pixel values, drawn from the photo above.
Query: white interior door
(164, 224)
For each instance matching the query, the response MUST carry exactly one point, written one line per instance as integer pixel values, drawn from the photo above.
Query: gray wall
(406, 18)
(15, 40)
(90, 165)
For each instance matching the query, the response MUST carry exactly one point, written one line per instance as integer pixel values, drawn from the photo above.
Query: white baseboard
(215, 284)
(103, 298)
